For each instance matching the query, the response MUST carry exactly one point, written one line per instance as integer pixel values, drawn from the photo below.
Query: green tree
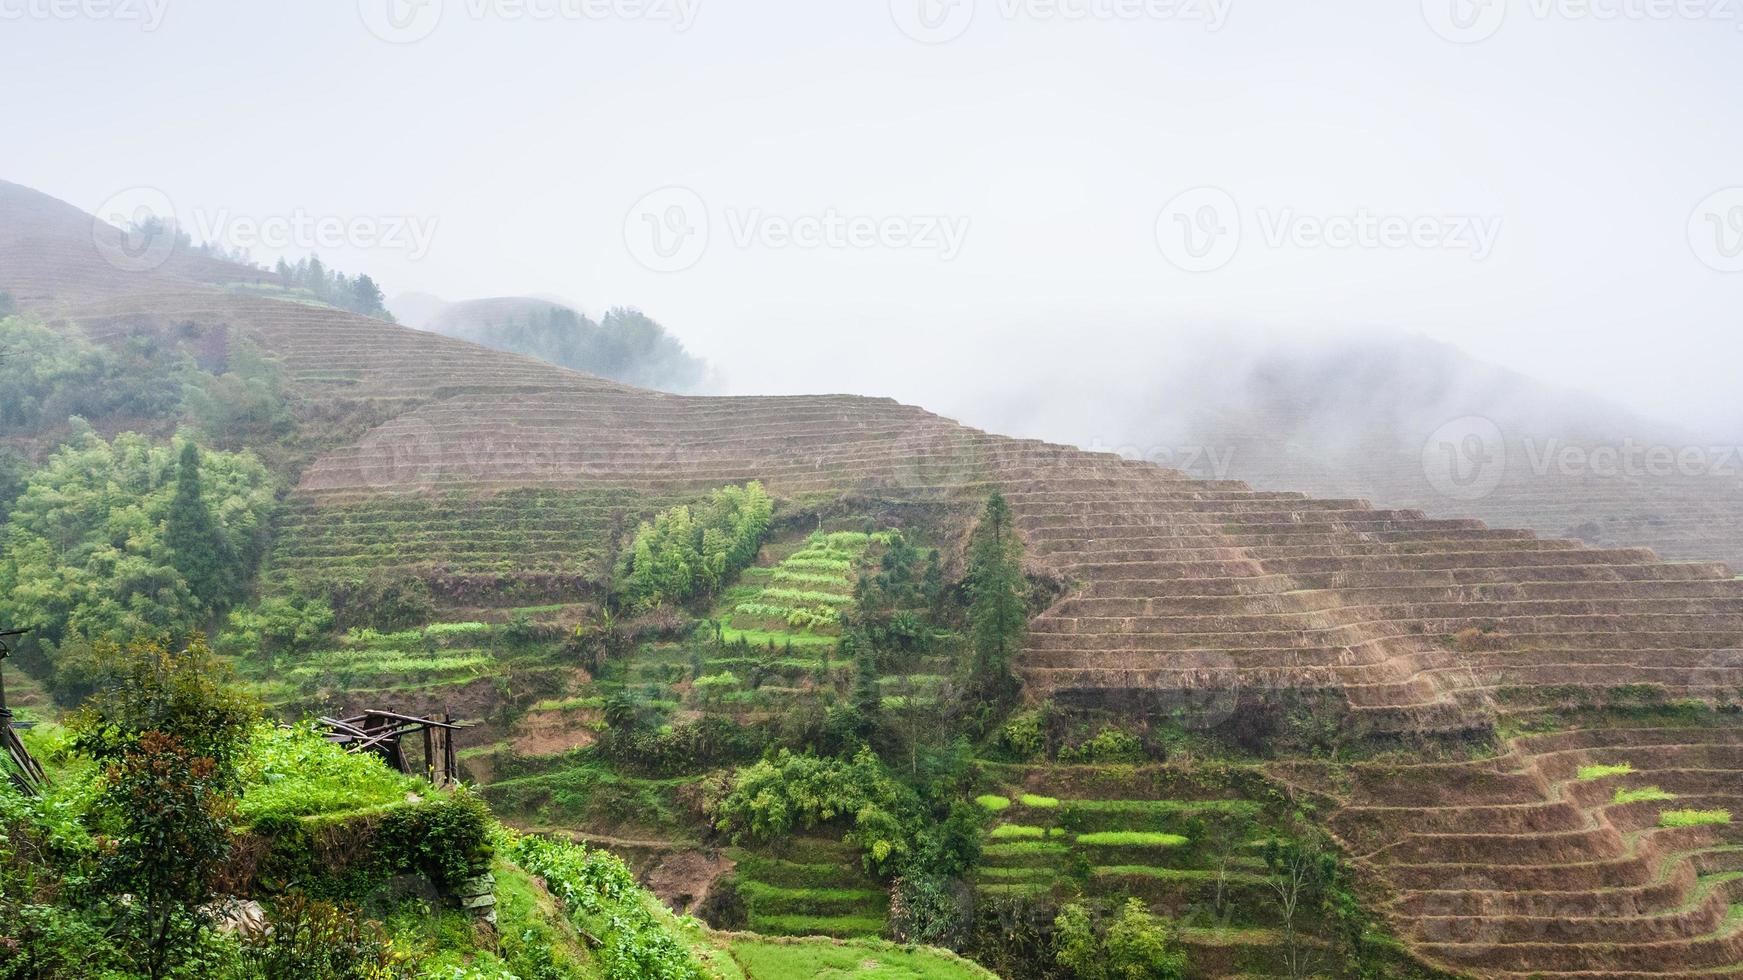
(85, 550)
(682, 554)
(196, 549)
(1301, 874)
(866, 702)
(998, 611)
(1134, 945)
(169, 730)
(167, 813)
(188, 694)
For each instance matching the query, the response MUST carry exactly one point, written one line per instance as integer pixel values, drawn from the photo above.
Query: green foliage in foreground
(601, 895)
(1694, 818)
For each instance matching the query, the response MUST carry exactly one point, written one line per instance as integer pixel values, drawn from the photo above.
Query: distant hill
(625, 346)
(1406, 421)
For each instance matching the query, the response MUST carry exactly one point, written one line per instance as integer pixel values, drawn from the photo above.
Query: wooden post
(29, 778)
(450, 764)
(430, 754)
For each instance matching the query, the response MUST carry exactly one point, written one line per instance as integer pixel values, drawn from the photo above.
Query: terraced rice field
(1564, 856)
(811, 886)
(516, 532)
(1149, 832)
(797, 600)
(437, 667)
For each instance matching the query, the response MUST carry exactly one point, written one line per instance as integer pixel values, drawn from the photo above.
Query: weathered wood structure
(383, 733)
(24, 771)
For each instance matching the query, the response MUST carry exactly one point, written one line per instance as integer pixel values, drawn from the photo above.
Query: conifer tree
(195, 546)
(998, 611)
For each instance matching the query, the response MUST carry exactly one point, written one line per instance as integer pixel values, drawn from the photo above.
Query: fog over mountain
(625, 345)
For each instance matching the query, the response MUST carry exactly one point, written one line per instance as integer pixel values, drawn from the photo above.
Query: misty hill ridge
(625, 345)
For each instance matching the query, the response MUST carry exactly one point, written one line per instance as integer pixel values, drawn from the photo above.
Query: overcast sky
(861, 195)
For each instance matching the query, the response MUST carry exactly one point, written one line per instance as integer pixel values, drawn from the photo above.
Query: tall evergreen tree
(196, 548)
(857, 649)
(998, 611)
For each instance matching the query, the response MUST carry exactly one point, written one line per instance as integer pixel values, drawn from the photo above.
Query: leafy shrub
(447, 839)
(1108, 745)
(1134, 945)
(680, 555)
(314, 940)
(278, 625)
(930, 911)
(601, 895)
(673, 749)
(145, 688)
(1023, 736)
(774, 797)
(170, 817)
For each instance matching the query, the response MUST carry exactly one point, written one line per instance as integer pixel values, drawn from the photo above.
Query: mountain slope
(461, 464)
